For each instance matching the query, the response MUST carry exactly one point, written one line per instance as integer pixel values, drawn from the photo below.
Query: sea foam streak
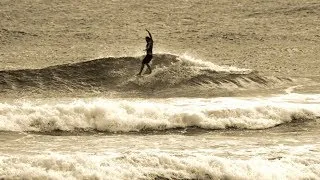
(121, 115)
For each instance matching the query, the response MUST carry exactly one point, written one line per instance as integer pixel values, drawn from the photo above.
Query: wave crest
(170, 73)
(136, 116)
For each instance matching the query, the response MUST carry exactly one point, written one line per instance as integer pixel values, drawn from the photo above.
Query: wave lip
(138, 116)
(171, 72)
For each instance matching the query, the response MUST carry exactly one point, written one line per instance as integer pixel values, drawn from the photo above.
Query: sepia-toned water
(234, 92)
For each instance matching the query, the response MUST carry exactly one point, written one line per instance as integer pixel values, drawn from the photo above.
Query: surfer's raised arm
(149, 33)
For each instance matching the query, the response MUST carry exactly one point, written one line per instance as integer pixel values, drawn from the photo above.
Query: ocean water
(231, 95)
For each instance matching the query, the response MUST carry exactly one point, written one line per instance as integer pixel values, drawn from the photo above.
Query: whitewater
(139, 115)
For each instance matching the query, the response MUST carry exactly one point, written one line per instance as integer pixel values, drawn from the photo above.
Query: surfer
(148, 57)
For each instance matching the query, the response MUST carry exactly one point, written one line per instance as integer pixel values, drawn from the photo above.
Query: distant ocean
(191, 118)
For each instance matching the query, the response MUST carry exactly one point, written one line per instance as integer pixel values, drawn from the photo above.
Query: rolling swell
(171, 73)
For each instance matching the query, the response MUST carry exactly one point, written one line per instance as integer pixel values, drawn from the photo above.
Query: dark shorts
(147, 59)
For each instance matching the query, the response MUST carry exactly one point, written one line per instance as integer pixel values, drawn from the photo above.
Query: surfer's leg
(150, 71)
(141, 69)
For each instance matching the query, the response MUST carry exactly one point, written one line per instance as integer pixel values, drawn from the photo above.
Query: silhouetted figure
(148, 57)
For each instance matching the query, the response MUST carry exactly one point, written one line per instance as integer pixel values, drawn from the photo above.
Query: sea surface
(234, 92)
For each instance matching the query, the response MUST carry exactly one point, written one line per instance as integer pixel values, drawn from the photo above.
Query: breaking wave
(116, 115)
(171, 74)
(154, 164)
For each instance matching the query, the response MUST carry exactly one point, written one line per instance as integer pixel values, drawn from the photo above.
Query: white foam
(150, 164)
(125, 115)
(206, 64)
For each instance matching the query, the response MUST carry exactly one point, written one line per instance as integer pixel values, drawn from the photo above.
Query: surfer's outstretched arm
(149, 33)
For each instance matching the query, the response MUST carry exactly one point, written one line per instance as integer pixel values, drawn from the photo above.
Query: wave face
(171, 74)
(152, 115)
